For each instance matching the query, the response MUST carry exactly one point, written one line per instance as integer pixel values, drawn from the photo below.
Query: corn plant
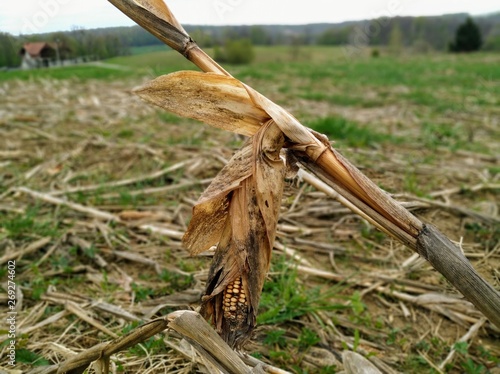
(239, 210)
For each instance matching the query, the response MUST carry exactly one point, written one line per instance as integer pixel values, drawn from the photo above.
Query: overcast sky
(33, 16)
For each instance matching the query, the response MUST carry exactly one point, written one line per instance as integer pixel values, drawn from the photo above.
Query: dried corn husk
(239, 210)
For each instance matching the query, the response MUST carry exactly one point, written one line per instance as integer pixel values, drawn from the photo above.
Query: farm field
(97, 187)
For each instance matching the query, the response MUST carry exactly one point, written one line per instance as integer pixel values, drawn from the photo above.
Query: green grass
(342, 99)
(154, 63)
(150, 61)
(80, 72)
(148, 49)
(440, 82)
(167, 117)
(290, 353)
(349, 133)
(284, 299)
(28, 357)
(27, 225)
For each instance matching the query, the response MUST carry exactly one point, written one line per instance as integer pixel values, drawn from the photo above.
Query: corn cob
(235, 304)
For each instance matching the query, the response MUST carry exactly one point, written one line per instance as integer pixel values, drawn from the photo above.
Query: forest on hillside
(421, 34)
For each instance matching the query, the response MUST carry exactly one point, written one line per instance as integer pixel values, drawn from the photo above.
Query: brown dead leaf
(211, 211)
(240, 211)
(217, 100)
(226, 103)
(269, 175)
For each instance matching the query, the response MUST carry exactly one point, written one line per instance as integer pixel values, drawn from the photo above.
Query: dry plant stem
(436, 248)
(124, 182)
(449, 260)
(80, 362)
(456, 309)
(45, 322)
(78, 207)
(371, 194)
(355, 363)
(82, 314)
(461, 189)
(91, 212)
(329, 191)
(197, 332)
(174, 37)
(252, 361)
(463, 211)
(189, 324)
(430, 362)
(375, 217)
(181, 42)
(30, 248)
(330, 161)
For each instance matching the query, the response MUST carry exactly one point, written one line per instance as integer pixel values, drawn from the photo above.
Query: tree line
(87, 44)
(419, 33)
(427, 33)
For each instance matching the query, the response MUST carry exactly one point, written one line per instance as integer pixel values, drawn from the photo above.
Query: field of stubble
(97, 187)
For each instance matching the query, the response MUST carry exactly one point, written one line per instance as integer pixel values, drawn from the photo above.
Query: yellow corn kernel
(235, 301)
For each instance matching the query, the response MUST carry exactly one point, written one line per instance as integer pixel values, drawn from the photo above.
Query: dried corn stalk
(234, 211)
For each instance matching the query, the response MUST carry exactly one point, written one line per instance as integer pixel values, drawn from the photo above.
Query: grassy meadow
(87, 169)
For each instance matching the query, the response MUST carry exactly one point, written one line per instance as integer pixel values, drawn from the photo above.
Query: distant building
(41, 54)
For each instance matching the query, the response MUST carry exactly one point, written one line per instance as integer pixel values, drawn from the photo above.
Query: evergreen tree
(468, 38)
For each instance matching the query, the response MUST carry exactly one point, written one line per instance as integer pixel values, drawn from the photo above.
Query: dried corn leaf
(217, 100)
(211, 211)
(242, 256)
(246, 233)
(269, 174)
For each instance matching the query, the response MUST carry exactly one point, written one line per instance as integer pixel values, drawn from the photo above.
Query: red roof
(34, 49)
